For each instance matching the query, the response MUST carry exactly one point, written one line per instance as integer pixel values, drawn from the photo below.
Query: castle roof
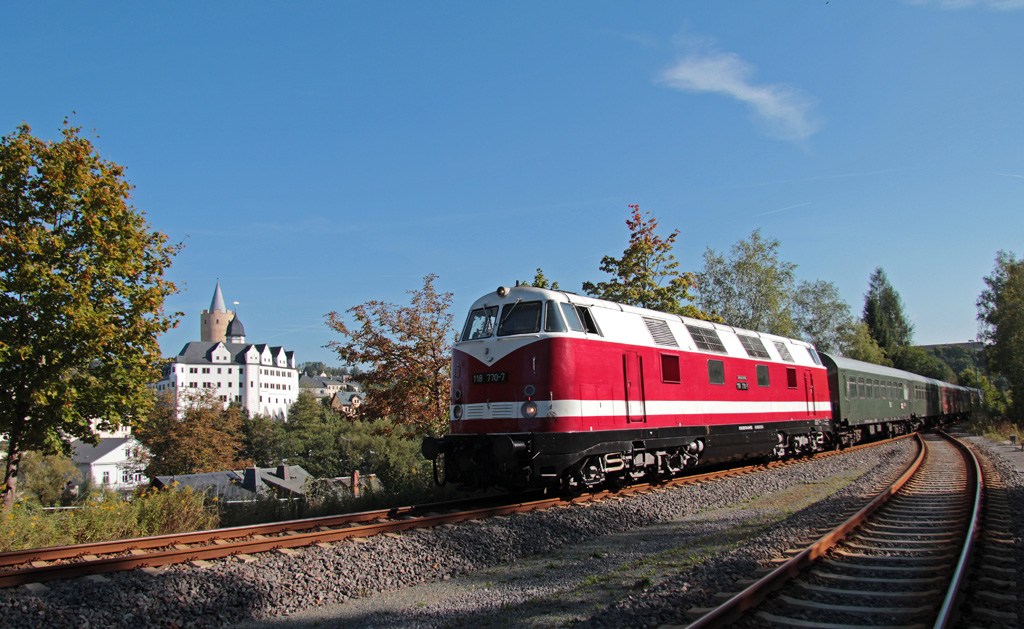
(235, 328)
(218, 301)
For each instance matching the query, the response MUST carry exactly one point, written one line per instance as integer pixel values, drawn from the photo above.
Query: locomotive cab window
(762, 376)
(670, 368)
(520, 318)
(552, 319)
(480, 324)
(716, 372)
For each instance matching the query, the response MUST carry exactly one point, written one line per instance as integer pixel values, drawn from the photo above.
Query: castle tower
(213, 323)
(236, 331)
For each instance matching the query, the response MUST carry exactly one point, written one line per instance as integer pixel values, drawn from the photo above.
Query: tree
(917, 360)
(861, 346)
(995, 402)
(883, 314)
(199, 437)
(409, 348)
(313, 438)
(646, 275)
(1001, 313)
(752, 288)
(821, 316)
(540, 281)
(263, 440)
(81, 296)
(47, 476)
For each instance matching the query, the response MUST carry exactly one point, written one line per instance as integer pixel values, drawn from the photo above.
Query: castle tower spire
(213, 323)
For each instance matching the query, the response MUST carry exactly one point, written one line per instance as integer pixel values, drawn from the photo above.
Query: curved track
(900, 561)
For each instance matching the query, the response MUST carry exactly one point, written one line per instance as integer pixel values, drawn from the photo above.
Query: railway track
(62, 562)
(900, 561)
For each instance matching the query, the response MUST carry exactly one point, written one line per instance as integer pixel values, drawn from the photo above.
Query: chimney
(282, 472)
(251, 480)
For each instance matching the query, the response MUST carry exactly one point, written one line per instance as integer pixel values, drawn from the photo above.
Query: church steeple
(213, 323)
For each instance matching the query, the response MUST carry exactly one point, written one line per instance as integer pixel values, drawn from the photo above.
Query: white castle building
(263, 379)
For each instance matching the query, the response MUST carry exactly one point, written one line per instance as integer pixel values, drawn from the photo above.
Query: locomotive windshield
(522, 317)
(480, 324)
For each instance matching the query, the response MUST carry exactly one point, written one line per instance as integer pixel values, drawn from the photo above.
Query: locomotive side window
(814, 355)
(572, 317)
(790, 377)
(553, 321)
(589, 325)
(716, 372)
(670, 368)
(520, 318)
(480, 324)
(762, 376)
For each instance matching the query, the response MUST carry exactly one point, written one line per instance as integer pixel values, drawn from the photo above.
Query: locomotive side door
(809, 391)
(633, 379)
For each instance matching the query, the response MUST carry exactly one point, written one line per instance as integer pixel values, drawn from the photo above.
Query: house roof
(88, 453)
(242, 484)
(218, 301)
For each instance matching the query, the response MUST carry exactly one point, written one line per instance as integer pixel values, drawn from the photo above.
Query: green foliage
(196, 437)
(107, 516)
(410, 350)
(883, 314)
(751, 288)
(646, 275)
(821, 316)
(917, 360)
(540, 281)
(1001, 312)
(316, 367)
(861, 346)
(264, 441)
(996, 403)
(46, 476)
(958, 358)
(81, 296)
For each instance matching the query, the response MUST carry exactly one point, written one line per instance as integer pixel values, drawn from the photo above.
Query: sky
(313, 156)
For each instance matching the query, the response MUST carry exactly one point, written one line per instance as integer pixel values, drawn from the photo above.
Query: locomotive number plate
(490, 378)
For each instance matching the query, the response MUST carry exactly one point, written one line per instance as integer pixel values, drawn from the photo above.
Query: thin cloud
(792, 207)
(1009, 175)
(994, 5)
(786, 112)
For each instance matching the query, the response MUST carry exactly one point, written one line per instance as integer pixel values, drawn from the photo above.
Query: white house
(262, 378)
(113, 463)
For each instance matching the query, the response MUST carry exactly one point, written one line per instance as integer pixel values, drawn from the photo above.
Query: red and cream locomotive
(553, 389)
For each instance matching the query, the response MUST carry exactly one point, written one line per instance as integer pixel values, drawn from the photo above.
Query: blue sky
(314, 156)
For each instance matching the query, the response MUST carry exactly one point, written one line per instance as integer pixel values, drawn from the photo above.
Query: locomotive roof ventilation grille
(660, 332)
(784, 352)
(754, 346)
(706, 339)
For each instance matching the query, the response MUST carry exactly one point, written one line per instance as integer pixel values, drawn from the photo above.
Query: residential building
(113, 463)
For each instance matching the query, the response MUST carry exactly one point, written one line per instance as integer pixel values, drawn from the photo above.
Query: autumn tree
(408, 349)
(647, 274)
(192, 436)
(81, 296)
(884, 316)
(1001, 313)
(751, 288)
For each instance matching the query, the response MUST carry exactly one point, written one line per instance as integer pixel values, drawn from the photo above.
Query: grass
(107, 516)
(995, 429)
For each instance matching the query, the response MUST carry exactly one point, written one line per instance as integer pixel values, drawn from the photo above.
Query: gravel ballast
(640, 561)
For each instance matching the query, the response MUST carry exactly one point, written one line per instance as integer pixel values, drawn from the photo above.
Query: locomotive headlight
(529, 410)
(457, 411)
(457, 395)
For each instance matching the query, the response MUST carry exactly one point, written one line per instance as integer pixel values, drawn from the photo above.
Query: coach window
(553, 321)
(670, 368)
(791, 377)
(762, 375)
(716, 372)
(480, 324)
(860, 387)
(521, 317)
